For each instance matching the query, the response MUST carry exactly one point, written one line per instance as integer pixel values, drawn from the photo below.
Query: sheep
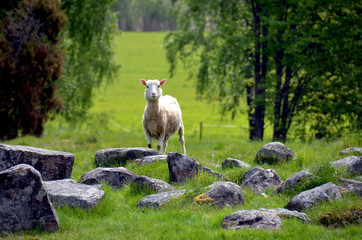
(162, 116)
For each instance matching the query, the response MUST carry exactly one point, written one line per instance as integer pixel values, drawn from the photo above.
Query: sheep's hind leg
(181, 138)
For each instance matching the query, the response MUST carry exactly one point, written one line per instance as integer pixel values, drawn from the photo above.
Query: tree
(89, 61)
(270, 52)
(230, 37)
(31, 63)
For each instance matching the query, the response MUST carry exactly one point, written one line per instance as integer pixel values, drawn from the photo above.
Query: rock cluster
(33, 179)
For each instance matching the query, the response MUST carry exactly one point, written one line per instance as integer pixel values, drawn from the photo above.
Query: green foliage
(31, 63)
(144, 15)
(88, 43)
(287, 58)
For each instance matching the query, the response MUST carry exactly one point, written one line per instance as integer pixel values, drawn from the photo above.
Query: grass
(115, 121)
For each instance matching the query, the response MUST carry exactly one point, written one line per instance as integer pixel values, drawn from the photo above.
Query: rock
(67, 192)
(259, 179)
(182, 167)
(285, 213)
(353, 164)
(151, 159)
(153, 184)
(224, 194)
(159, 199)
(116, 177)
(52, 165)
(251, 219)
(350, 186)
(119, 156)
(309, 198)
(274, 152)
(293, 182)
(351, 150)
(24, 203)
(231, 162)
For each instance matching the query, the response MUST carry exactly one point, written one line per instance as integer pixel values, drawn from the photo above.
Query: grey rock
(156, 185)
(259, 179)
(350, 186)
(353, 164)
(182, 167)
(351, 150)
(52, 165)
(294, 181)
(67, 192)
(159, 199)
(116, 177)
(251, 219)
(317, 195)
(24, 203)
(119, 156)
(151, 159)
(285, 213)
(274, 152)
(231, 162)
(226, 194)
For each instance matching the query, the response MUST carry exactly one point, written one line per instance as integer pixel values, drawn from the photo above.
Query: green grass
(115, 121)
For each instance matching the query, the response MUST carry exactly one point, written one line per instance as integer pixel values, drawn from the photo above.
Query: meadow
(115, 121)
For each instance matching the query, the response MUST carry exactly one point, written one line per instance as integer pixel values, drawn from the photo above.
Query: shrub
(30, 65)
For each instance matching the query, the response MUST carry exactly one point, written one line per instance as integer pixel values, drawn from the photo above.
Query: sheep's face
(153, 89)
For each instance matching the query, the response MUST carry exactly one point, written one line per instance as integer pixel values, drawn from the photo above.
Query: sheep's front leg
(160, 144)
(149, 139)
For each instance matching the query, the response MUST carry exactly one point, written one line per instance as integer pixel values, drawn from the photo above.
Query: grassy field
(115, 121)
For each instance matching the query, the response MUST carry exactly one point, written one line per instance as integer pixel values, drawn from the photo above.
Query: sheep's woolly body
(162, 116)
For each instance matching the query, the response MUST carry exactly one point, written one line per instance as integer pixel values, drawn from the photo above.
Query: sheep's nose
(153, 94)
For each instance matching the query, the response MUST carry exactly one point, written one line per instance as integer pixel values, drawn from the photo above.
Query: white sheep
(162, 116)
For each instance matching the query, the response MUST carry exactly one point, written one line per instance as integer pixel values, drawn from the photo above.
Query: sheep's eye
(147, 86)
(158, 86)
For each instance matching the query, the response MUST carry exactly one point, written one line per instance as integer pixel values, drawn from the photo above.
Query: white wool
(162, 116)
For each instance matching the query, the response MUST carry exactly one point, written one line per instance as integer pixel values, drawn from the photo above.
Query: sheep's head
(153, 89)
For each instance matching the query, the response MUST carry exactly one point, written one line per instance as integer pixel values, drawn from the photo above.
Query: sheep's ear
(163, 82)
(143, 81)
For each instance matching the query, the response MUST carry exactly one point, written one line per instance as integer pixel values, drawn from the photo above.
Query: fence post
(200, 130)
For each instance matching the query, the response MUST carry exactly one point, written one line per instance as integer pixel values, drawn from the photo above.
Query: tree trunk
(257, 131)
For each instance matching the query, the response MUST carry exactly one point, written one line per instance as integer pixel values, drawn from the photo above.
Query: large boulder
(251, 219)
(52, 165)
(152, 184)
(351, 150)
(350, 186)
(116, 177)
(285, 213)
(293, 182)
(151, 159)
(274, 152)
(224, 194)
(182, 167)
(259, 179)
(159, 199)
(119, 156)
(353, 164)
(231, 162)
(67, 192)
(317, 195)
(24, 203)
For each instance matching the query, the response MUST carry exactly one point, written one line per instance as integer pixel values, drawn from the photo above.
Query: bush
(30, 65)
